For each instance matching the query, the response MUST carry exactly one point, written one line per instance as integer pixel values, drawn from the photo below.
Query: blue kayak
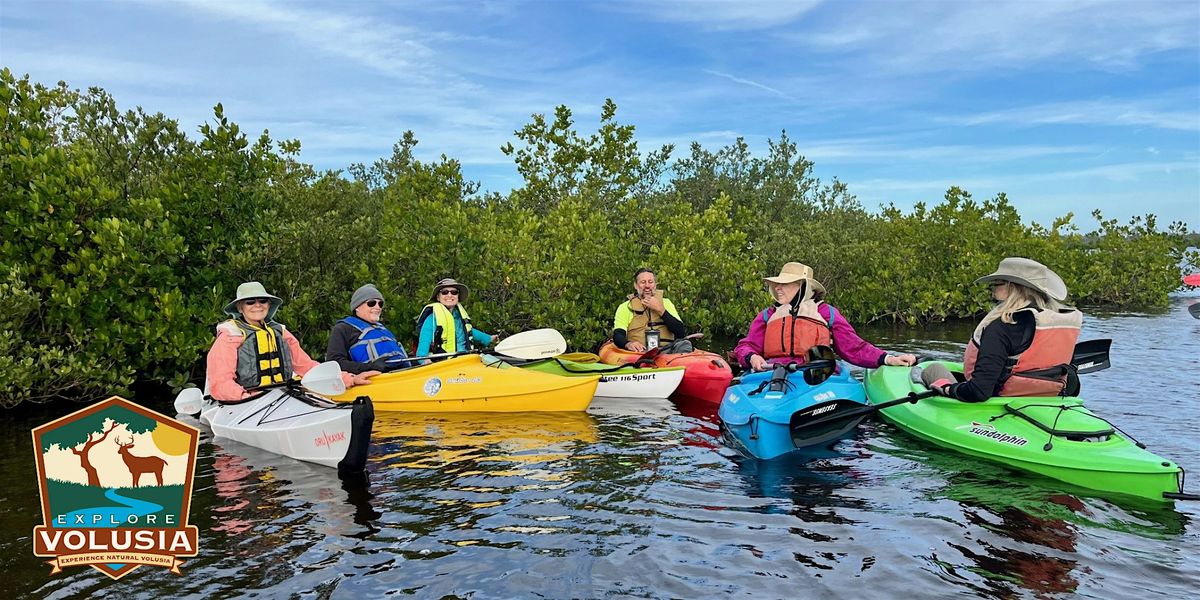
(759, 412)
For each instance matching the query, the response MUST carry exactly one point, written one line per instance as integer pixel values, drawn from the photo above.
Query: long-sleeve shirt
(425, 340)
(222, 364)
(998, 341)
(846, 342)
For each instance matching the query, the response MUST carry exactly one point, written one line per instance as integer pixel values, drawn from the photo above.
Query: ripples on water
(641, 499)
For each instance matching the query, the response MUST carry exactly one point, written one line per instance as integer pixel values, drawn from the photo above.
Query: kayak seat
(1070, 421)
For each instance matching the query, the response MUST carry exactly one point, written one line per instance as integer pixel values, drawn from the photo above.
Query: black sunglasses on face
(374, 303)
(449, 292)
(253, 301)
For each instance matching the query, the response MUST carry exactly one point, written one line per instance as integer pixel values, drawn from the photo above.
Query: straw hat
(253, 289)
(1029, 273)
(791, 273)
(450, 282)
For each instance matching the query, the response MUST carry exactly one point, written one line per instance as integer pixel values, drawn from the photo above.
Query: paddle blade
(325, 379)
(537, 343)
(189, 401)
(1192, 280)
(826, 421)
(1091, 356)
(1195, 310)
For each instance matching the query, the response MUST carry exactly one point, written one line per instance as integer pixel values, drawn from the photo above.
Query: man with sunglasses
(444, 325)
(361, 342)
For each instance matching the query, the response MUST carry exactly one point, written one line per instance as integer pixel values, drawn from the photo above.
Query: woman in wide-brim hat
(444, 325)
(800, 321)
(252, 349)
(1023, 346)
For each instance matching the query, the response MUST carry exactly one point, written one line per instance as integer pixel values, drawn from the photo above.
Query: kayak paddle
(1195, 310)
(1091, 356)
(1192, 280)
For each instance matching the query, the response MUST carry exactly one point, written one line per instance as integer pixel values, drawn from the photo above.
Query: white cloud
(1142, 113)
(719, 14)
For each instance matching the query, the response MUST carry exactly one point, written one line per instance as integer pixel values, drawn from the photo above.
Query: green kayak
(1057, 437)
(616, 381)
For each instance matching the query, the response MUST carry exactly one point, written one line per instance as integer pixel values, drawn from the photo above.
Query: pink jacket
(222, 365)
(846, 342)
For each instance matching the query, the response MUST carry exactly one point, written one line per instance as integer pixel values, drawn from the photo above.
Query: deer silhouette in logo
(140, 465)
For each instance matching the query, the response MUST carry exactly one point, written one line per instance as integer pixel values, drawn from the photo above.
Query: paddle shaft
(866, 410)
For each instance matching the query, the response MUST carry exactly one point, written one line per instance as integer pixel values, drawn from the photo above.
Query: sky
(1064, 105)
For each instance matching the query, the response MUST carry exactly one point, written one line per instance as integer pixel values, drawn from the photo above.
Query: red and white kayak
(706, 375)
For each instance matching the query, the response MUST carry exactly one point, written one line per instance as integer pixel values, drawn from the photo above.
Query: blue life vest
(374, 342)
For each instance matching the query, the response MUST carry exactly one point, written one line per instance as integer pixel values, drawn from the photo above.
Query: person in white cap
(1024, 344)
(253, 350)
(800, 321)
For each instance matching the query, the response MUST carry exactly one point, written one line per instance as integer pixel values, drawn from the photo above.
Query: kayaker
(360, 342)
(253, 350)
(646, 314)
(445, 325)
(800, 320)
(1024, 344)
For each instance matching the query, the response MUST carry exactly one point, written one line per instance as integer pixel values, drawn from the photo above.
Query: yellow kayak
(465, 384)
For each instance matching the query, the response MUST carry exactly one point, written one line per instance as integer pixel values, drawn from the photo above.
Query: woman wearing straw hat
(253, 350)
(799, 321)
(1023, 345)
(444, 324)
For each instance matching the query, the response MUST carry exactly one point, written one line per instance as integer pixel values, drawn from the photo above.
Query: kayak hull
(615, 382)
(297, 424)
(466, 384)
(759, 421)
(1054, 437)
(706, 375)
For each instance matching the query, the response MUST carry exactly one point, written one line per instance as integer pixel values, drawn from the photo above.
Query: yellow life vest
(263, 357)
(445, 334)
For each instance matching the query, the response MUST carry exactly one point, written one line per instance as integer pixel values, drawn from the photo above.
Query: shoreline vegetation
(122, 237)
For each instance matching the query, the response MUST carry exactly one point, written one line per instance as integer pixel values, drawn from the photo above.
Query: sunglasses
(449, 292)
(374, 303)
(253, 301)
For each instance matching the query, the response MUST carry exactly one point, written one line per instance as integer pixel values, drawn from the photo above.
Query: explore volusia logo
(116, 486)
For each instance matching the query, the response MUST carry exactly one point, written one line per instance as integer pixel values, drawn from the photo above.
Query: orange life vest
(1041, 369)
(792, 335)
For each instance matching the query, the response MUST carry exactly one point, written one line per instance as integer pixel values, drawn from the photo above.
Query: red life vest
(791, 336)
(1040, 369)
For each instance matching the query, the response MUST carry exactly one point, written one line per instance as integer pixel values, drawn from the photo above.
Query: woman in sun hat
(799, 321)
(444, 324)
(253, 350)
(1023, 345)
(361, 342)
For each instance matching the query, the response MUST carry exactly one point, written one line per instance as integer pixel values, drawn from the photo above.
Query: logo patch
(432, 386)
(988, 431)
(115, 481)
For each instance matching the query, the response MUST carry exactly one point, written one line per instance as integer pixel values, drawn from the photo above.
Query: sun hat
(450, 282)
(1029, 273)
(791, 273)
(253, 289)
(364, 293)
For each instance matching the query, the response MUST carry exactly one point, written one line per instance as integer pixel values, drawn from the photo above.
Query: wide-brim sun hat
(253, 289)
(1029, 273)
(791, 273)
(463, 290)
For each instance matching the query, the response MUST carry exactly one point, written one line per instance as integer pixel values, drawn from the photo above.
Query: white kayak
(293, 422)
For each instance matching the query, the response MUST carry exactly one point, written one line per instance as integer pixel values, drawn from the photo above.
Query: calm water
(641, 499)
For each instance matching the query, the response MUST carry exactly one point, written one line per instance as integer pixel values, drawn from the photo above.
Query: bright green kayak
(624, 381)
(1056, 437)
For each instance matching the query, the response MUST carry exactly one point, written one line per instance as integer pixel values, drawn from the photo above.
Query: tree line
(122, 237)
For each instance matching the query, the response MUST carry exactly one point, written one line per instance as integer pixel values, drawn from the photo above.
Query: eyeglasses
(995, 284)
(374, 303)
(449, 292)
(253, 301)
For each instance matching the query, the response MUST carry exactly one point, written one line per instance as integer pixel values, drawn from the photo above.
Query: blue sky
(1064, 105)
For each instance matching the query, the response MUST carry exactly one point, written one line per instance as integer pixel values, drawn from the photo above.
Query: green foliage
(80, 430)
(122, 238)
